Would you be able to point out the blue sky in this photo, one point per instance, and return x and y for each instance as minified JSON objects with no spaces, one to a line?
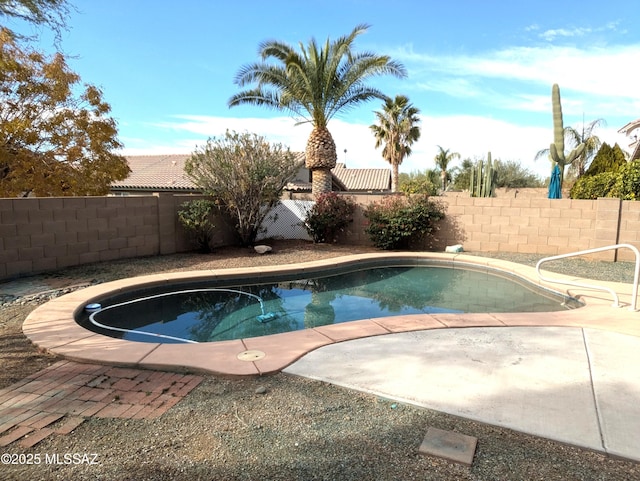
{"x":479,"y":71}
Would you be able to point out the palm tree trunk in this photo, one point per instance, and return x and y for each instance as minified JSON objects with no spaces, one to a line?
{"x":320,"y":158}
{"x":394,"y":177}
{"x":320,"y":181}
{"x":443,"y":176}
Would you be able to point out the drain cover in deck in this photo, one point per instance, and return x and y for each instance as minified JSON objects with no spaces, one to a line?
{"x":252,"y":355}
{"x":455,"y":447}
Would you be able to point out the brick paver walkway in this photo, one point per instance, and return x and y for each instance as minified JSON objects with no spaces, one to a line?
{"x":59,"y":398}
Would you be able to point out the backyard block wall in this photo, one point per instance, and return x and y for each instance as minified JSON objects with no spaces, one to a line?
{"x":525,"y":225}
{"x":45,"y":234}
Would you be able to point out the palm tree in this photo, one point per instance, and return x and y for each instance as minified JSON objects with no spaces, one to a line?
{"x":397,"y":128}
{"x":314,"y":84}
{"x":591,"y":143}
{"x":442,"y":159}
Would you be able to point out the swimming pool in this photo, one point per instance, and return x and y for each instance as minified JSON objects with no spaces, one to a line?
{"x":208,"y":311}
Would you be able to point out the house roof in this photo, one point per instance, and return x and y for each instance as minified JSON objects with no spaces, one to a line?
{"x":156,"y":172}
{"x":630,"y":127}
{"x":166,"y":173}
{"x":363,"y":179}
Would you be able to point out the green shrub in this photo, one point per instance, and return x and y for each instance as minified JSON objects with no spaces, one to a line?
{"x":608,"y":159}
{"x":627,"y":186}
{"x":329,"y":216}
{"x":195,"y":216}
{"x":397,"y":221}
{"x":419,"y":186}
{"x":593,"y":186}
{"x":623,"y":183}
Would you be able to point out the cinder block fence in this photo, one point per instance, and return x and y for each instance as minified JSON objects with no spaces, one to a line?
{"x":44,"y":234}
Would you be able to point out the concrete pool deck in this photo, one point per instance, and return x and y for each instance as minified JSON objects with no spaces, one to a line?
{"x":575,"y":365}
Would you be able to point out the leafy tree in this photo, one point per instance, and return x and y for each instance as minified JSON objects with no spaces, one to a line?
{"x":509,"y":174}
{"x":608,"y":159}
{"x":245,"y":174}
{"x":314,"y":85}
{"x":397,"y":129}
{"x":49,"y":13}
{"x":419,"y":182}
{"x":462,"y":178}
{"x":195,"y":216}
{"x":513,"y":175}
{"x":442,"y":159}
{"x":55,"y":138}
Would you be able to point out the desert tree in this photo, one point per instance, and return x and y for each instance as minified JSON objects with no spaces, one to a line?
{"x":314,"y":84}
{"x":245,"y":174}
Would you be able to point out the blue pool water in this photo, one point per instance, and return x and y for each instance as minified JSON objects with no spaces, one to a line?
{"x":201,"y":313}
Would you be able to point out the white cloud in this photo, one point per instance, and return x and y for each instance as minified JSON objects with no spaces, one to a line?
{"x":592,"y":70}
{"x":277,"y":129}
{"x":552,"y":34}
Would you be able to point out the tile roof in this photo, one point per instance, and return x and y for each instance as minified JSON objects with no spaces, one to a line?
{"x":156,"y":172}
{"x":166,"y":173}
{"x":363,"y":179}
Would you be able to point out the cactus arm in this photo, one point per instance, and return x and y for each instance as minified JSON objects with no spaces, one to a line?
{"x":555,"y":158}
{"x":575,"y":153}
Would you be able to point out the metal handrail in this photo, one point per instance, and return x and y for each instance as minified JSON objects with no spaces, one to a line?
{"x":616,"y":301}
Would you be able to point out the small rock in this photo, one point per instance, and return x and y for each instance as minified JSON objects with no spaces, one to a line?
{"x":262,"y":249}
{"x":261,"y":390}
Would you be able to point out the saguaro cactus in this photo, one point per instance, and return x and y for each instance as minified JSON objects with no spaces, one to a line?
{"x":556,"y":150}
{"x":483,"y":179}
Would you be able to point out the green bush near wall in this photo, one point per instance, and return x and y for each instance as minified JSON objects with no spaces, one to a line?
{"x":195,"y":216}
{"x":397,"y":221}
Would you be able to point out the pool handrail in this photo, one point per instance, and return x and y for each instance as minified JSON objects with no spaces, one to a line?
{"x":616,"y":301}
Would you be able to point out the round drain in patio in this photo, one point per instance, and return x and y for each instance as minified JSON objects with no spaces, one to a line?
{"x":252,"y":355}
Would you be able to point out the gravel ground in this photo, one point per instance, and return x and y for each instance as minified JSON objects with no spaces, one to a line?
{"x":297,"y":430}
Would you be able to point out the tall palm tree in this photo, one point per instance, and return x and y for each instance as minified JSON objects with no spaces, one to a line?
{"x":397,"y":129}
{"x":442,"y":159}
{"x":314,"y":84}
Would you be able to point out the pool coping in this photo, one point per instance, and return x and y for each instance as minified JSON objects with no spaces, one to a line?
{"x":52,"y":327}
